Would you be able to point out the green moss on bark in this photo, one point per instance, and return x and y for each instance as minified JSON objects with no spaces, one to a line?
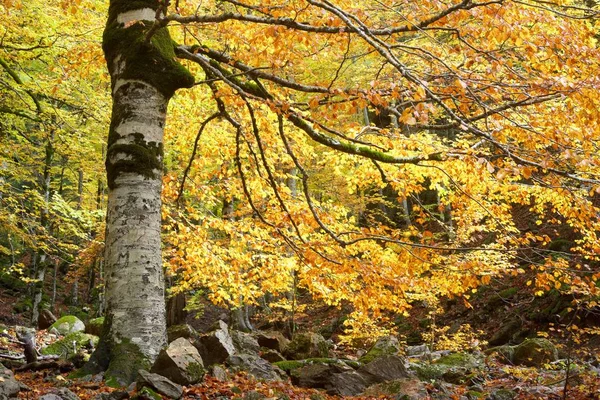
{"x":126,"y":359}
{"x":153,"y":62}
{"x":144,"y":159}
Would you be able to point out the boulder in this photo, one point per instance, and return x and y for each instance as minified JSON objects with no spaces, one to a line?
{"x":505,"y":332}
{"x":217,"y":346}
{"x":180,"y":362}
{"x":456,"y":368}
{"x":307,"y":345}
{"x":349,"y":383}
{"x":253,"y":395}
{"x":272,"y":356}
{"x":71,"y":344}
{"x":175,"y":332}
{"x":313,"y":375}
{"x":9,"y":386}
{"x":158,"y":383}
{"x":387,"y":345}
{"x":116,"y":395}
{"x":244,"y":343}
{"x":46,"y":319}
{"x":405,"y":389}
{"x":94,"y":326}
{"x":255,"y":366}
{"x":273,"y":340}
{"x":503,"y":353}
{"x":219,"y":372}
{"x":502,"y":394}
{"x":68,"y":324}
{"x":385,"y":368}
{"x":535,"y":353}
{"x":60,"y":394}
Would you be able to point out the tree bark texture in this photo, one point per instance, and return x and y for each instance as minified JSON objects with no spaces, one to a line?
{"x":144,"y":76}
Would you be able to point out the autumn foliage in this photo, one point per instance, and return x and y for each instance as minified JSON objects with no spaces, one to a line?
{"x":373,"y":153}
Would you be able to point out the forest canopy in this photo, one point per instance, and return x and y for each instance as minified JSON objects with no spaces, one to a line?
{"x":375,"y":154}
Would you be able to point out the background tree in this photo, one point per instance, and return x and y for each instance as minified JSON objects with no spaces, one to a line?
{"x":50,"y":130}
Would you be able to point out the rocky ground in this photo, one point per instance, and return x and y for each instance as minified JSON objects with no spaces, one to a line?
{"x":225,"y":364}
{"x":503,"y":344}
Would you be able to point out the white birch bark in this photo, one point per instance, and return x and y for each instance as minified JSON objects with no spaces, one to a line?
{"x":134,"y":274}
{"x":144,"y":75}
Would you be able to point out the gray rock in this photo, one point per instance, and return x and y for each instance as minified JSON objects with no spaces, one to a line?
{"x":180,"y":362}
{"x":320,"y":375}
{"x":272,"y":356}
{"x":387,"y":345}
{"x":417,"y":351}
{"x":244,"y":342}
{"x":159,"y":383}
{"x":60,"y":394}
{"x":535,"y":353}
{"x":253,"y":395}
{"x":219,"y":373}
{"x":273,"y":340}
{"x":313,"y":375}
{"x":404,"y":389}
{"x":349,"y":383}
{"x":255,"y":366}
{"x":502,"y":394}
{"x":385,"y":368}
{"x":181,"y":331}
{"x":116,"y":395}
{"x":9,"y":386}
{"x":68,"y":324}
{"x":307,"y":345}
{"x":217,"y":346}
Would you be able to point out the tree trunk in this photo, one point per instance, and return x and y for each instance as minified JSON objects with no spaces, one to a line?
{"x":38,"y":288}
{"x":144,"y":76}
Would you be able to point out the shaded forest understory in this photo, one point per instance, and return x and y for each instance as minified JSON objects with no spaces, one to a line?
{"x":462,"y":351}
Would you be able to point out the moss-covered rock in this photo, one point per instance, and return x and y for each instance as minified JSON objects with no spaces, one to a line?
{"x":503,"y":353}
{"x":94,"y":326}
{"x":502,"y":394}
{"x":428,"y":372}
{"x":288,"y":366}
{"x":71,"y":345}
{"x":307,"y":345}
{"x":505,"y":332}
{"x":146,"y":393}
{"x":387,"y":345}
{"x":462,"y":360}
{"x":68,"y":324}
{"x":456,"y":368}
{"x":406,"y":388}
{"x":185,"y":331}
{"x":535,"y":353}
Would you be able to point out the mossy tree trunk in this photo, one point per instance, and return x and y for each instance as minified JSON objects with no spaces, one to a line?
{"x":144,"y":76}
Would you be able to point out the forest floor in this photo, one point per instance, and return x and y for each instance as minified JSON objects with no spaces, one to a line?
{"x":505,"y":305}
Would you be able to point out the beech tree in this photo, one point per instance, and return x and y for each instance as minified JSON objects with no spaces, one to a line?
{"x":486,"y":102}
